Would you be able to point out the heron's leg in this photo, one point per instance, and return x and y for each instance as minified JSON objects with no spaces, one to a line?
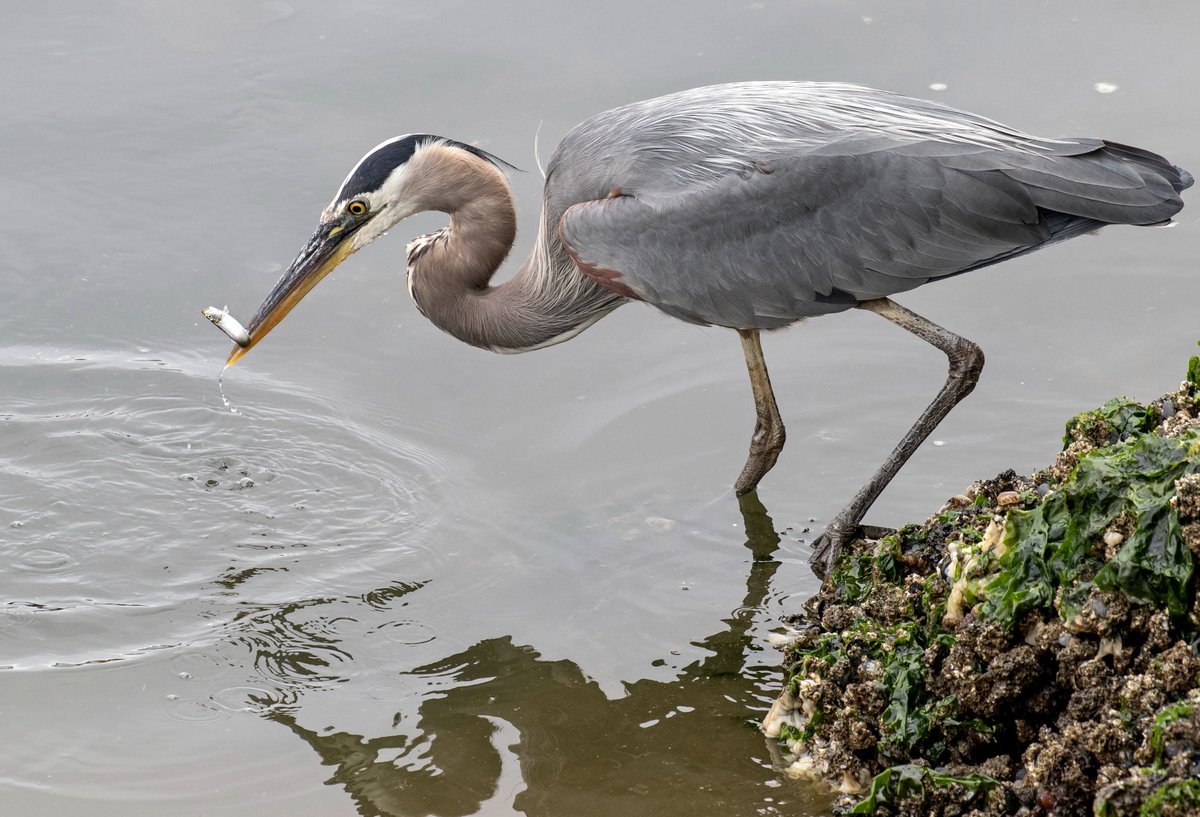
{"x":769,"y":435}
{"x":966,"y":362}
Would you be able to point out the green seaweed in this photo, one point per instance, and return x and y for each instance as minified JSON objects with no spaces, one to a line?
{"x":1026,"y":580}
{"x":855,"y":578}
{"x":905,"y":722}
{"x":792,"y":734}
{"x":860,"y":573}
{"x":1163,"y":719}
{"x":1118,"y":417}
{"x":1178,"y":794}
{"x":912,"y":723}
{"x":1154,"y":564}
{"x":1059,"y":543}
{"x":789,"y":733}
{"x":1193,"y":370}
{"x":897,"y":783}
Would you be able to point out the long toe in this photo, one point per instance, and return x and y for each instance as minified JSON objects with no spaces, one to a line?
{"x":829,"y":545}
{"x":826,"y":549}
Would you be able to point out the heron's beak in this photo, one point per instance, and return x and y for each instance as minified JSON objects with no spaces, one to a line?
{"x":328,"y":247}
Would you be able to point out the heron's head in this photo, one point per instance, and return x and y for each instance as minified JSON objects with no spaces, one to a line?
{"x":386,"y":186}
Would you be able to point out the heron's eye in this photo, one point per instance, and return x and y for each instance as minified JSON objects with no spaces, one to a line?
{"x":357,"y":208}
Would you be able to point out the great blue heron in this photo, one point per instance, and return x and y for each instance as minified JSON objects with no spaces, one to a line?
{"x":748,"y":205}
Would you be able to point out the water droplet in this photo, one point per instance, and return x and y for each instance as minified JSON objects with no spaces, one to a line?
{"x":221,"y":387}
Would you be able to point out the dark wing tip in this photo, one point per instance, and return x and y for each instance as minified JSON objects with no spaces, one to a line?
{"x":1176,"y":176}
{"x":1186,"y":179}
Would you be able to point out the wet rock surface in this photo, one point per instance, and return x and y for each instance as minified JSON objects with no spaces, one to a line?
{"x":1032,"y":649}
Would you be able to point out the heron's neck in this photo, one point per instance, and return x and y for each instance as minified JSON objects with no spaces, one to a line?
{"x":547,"y":301}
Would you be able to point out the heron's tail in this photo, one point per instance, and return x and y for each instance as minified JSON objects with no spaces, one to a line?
{"x":1102,"y":182}
{"x":1176,"y":176}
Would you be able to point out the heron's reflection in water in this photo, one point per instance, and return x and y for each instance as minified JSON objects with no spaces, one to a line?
{"x":685,"y":746}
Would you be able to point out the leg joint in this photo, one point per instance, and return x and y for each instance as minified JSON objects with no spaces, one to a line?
{"x":770,"y":435}
{"x":966,"y":360}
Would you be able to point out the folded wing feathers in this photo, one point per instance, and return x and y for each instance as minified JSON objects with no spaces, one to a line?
{"x":760,"y":226}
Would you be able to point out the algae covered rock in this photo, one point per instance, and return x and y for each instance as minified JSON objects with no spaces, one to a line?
{"x":1032,"y":649}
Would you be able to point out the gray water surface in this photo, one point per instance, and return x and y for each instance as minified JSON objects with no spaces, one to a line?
{"x":409,"y":577}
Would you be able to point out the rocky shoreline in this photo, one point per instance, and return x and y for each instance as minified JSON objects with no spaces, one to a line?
{"x":1032,"y":649}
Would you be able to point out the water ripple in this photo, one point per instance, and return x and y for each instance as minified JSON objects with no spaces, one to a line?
{"x":45,"y":560}
{"x":137,"y":507}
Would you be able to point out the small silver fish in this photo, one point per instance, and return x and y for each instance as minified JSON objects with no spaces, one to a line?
{"x":229,"y":325}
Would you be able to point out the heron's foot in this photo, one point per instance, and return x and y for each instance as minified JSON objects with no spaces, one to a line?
{"x":765,"y":445}
{"x":829,"y":545}
{"x":874,"y":532}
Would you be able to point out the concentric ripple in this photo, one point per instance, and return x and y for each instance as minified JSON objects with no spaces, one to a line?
{"x":128,"y":494}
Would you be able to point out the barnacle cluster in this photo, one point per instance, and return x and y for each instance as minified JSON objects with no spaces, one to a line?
{"x":1032,"y":649}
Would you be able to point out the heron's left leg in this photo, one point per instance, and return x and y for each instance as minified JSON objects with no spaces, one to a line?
{"x":769,"y":435}
{"x":966,"y":362}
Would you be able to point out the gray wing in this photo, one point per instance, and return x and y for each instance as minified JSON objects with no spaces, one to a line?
{"x":745,"y":217}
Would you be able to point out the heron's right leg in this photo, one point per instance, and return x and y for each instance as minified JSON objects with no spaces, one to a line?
{"x":769,"y":435}
{"x":966,"y":362}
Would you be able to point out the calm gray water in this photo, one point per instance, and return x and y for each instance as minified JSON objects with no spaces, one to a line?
{"x":410,"y":577}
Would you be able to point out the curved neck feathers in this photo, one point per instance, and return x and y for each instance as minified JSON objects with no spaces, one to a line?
{"x":547,"y":301}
